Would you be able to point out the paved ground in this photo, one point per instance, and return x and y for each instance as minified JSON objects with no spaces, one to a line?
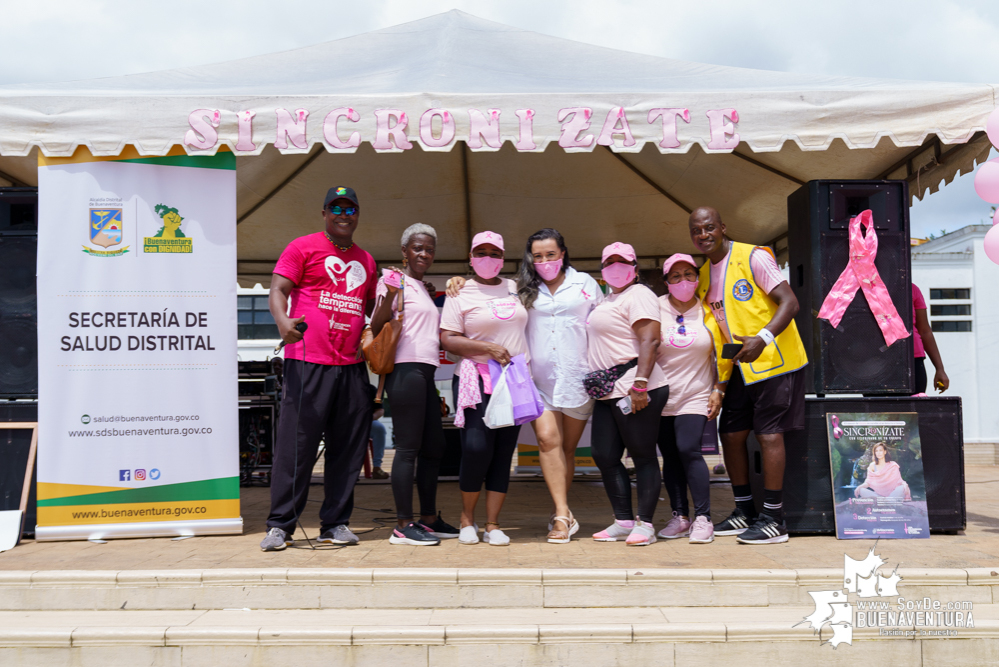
{"x":524,"y":520}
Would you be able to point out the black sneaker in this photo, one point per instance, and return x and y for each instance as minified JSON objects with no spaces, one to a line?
{"x":766,"y":530}
{"x":440,"y":528}
{"x":736,"y":523}
{"x":414,"y":535}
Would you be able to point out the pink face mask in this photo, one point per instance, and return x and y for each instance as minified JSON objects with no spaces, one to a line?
{"x":618,"y":274}
{"x":487,"y":268}
{"x":548,"y":270}
{"x":683,"y":291}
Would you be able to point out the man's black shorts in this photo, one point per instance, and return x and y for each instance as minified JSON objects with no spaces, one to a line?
{"x":775,"y":405}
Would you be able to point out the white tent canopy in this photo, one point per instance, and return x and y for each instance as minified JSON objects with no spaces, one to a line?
{"x":509,"y":130}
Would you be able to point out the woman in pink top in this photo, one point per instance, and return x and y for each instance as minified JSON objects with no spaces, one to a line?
{"x":624,"y":329}
{"x":687,"y":357}
{"x":484,"y":321}
{"x":884,"y":478}
{"x":416,"y":412}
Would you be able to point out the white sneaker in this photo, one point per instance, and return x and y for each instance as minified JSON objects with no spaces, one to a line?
{"x":496,"y":537}
{"x":643,"y":534}
{"x":469,"y":535}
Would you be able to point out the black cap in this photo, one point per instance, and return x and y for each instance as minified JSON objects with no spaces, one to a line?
{"x":340,"y":192}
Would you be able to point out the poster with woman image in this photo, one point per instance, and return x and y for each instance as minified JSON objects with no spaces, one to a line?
{"x":877,"y":475}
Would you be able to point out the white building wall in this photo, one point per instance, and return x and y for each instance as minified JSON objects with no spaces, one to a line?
{"x":985,"y":309}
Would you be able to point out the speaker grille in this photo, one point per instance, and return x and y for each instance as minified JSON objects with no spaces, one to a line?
{"x":18,"y":315}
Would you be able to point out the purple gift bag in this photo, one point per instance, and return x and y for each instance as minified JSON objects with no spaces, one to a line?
{"x":527,"y":405}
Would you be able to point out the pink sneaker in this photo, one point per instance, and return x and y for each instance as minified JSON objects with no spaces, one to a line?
{"x":678,"y":526}
{"x":642,"y":535}
{"x":701,"y":531}
{"x":617,"y":531}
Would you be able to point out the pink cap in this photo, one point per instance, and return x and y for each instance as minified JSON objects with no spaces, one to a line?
{"x":677,"y":257}
{"x":618,"y":248}
{"x":487,"y":237}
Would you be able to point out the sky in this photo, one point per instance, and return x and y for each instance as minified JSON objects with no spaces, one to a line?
{"x":940,"y":40}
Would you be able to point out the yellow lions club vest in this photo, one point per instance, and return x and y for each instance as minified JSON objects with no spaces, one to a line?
{"x":747,"y":310}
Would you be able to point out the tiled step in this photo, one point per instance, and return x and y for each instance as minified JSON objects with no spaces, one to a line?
{"x":456,"y":588}
{"x":660,"y":636}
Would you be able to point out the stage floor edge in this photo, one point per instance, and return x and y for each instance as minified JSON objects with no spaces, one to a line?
{"x":110,"y":531}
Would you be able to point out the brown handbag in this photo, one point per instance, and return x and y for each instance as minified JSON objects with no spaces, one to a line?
{"x":379,"y":351}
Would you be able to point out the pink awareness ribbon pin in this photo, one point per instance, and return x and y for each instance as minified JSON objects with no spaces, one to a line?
{"x":860,"y":273}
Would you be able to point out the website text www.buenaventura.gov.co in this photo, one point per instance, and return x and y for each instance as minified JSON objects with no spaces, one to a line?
{"x":132,"y":513}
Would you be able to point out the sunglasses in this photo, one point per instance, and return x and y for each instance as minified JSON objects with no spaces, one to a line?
{"x":341,"y":210}
{"x":682,"y":330}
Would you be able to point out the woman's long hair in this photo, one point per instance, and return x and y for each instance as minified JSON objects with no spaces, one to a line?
{"x":874,"y":450}
{"x":528,"y":280}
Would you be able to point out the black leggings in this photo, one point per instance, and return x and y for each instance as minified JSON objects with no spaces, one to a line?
{"x":486,"y":453}
{"x":683,"y":463}
{"x":416,"y":426}
{"x":613,"y":431}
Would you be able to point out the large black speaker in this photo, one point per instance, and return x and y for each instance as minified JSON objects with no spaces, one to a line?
{"x":18,"y":301}
{"x":808,"y":499}
{"x":851,"y":358}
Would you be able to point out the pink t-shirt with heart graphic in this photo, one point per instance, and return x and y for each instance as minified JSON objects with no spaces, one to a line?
{"x":332,"y":289}
{"x":492,"y":313}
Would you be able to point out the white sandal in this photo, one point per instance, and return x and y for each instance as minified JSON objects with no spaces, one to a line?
{"x":568,"y":530}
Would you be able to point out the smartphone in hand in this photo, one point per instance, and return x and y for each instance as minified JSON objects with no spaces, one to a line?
{"x":729,"y":350}
{"x":392,"y":278}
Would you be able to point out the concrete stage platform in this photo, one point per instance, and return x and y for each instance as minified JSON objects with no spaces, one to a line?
{"x":524,"y":519}
{"x":206,"y":601}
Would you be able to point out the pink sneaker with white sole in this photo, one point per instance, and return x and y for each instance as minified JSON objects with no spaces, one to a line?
{"x":702,"y":531}
{"x":678,"y":526}
{"x":616,"y":532}
{"x":642,"y":535}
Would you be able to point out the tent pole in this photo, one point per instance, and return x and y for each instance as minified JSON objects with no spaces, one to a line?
{"x":772,"y":170}
{"x":468,"y":198}
{"x":660,"y":189}
{"x":316,"y":152}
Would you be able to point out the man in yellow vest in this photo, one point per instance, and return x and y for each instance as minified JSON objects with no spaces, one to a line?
{"x":762,"y":389}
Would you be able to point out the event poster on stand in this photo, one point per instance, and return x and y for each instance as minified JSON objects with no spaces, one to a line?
{"x":138,"y":422}
{"x":877,"y":473}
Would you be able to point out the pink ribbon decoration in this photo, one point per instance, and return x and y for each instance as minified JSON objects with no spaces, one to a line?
{"x":860,"y":273}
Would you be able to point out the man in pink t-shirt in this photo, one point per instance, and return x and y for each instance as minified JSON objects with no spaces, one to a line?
{"x":328,"y":283}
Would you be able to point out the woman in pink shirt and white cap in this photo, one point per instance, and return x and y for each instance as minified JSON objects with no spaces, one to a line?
{"x":687,"y":357}
{"x":484,"y":321}
{"x":623,"y":331}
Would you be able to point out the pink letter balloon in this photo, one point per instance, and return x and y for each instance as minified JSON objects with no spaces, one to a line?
{"x":987,"y":181}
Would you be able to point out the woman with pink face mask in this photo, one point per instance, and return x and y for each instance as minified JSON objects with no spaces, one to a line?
{"x":686,"y":355}
{"x":484,"y":321}
{"x":623,"y":332}
{"x":558,"y":300}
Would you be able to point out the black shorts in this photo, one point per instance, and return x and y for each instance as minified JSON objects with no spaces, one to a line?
{"x":775,"y":405}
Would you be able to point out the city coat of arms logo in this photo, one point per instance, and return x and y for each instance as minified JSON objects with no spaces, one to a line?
{"x":106,"y":229}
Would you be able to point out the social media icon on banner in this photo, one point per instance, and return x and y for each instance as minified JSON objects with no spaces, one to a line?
{"x":140,"y":474}
{"x":154,"y":473}
{"x":124,"y":475}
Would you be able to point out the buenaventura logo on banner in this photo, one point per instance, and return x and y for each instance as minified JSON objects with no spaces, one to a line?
{"x":106,"y":226}
{"x":169,"y":238}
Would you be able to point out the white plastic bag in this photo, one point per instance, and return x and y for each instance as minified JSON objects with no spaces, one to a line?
{"x":499,"y":412}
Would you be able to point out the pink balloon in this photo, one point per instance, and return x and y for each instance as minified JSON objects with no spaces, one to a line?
{"x":992,"y":128}
{"x":987,"y":181}
{"x":992,"y":244}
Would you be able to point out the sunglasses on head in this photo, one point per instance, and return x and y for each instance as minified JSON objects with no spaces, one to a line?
{"x":342,"y":210}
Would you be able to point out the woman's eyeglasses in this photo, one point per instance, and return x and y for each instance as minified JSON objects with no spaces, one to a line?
{"x":682,"y":330}
{"x":341,"y":210}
